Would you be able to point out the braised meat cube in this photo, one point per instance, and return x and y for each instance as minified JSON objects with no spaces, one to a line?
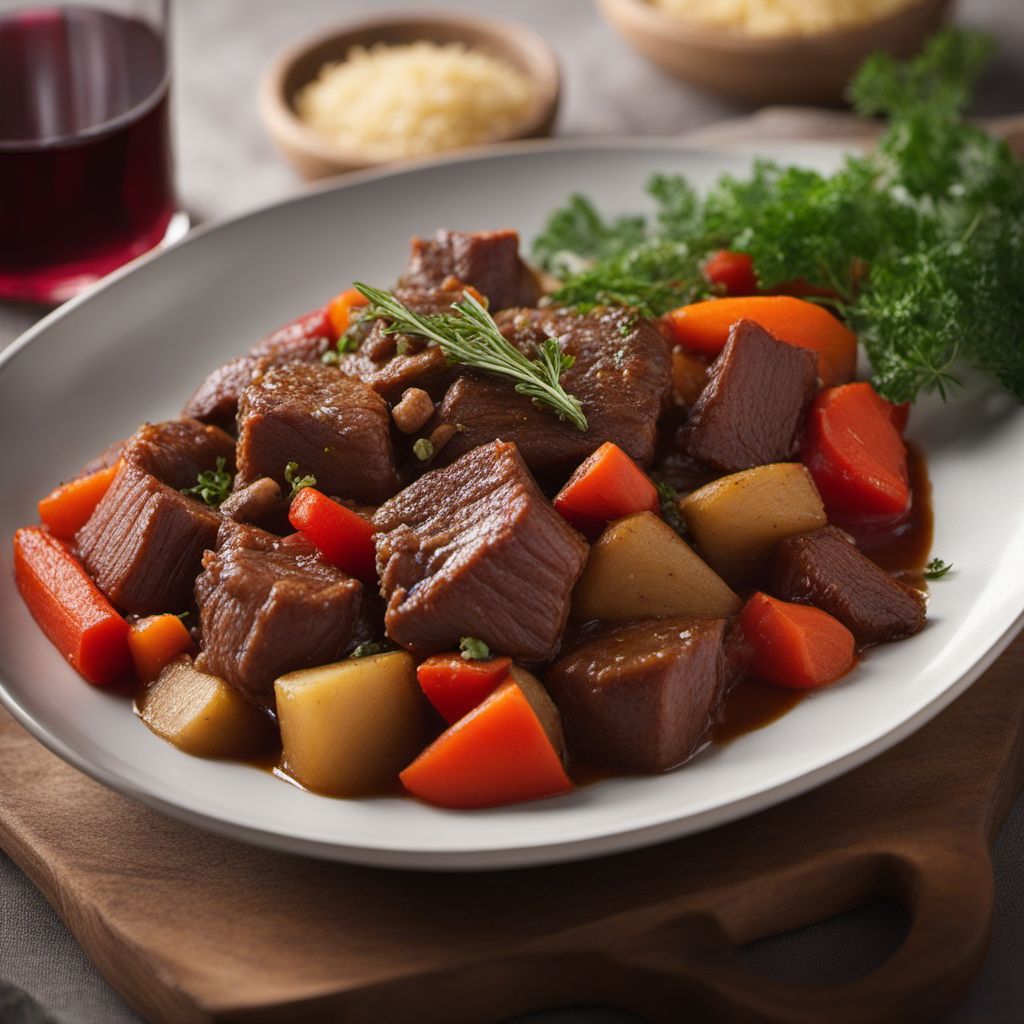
{"x":475,"y":549}
{"x":642,"y":697}
{"x":144,"y":542}
{"x":488,"y":260}
{"x":216,"y":399}
{"x":622,"y":375}
{"x":267,"y":607}
{"x":303,"y":341}
{"x":332,"y":426}
{"x":177,"y":451}
{"x":751,"y":411}
{"x":825,"y":569}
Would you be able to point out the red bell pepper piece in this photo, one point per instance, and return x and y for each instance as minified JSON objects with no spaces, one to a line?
{"x":343,"y":537}
{"x":316,"y":323}
{"x":732,"y":272}
{"x":607,"y":485}
{"x":497,"y":754}
{"x":66,"y":509}
{"x":78,"y":620}
{"x":455,"y":686}
{"x":857,"y":457}
{"x":795,"y":645}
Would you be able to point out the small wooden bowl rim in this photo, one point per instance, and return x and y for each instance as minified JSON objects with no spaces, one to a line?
{"x":522,"y":47}
{"x":644,"y":16}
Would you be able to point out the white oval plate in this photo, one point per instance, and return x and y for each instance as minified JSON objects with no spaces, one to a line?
{"x":134,"y":349}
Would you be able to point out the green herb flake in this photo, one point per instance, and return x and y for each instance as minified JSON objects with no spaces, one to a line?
{"x":669,"y":498}
{"x":936,"y":569}
{"x":369,"y":649}
{"x":213,"y":485}
{"x":298,"y":483}
{"x":472,"y":649}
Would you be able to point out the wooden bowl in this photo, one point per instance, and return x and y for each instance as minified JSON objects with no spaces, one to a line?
{"x":756,"y":69}
{"x":315,"y":157}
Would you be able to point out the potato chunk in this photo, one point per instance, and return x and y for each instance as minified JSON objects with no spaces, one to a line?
{"x":349,"y":728}
{"x":738,"y":520}
{"x":203,"y":715}
{"x":641,"y":568}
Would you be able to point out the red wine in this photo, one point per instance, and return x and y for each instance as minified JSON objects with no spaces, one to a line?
{"x":85,"y":157}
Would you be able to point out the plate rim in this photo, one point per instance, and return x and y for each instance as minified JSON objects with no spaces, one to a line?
{"x":535,"y":852}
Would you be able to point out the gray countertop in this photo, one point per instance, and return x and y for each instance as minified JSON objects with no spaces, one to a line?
{"x":226,"y":166}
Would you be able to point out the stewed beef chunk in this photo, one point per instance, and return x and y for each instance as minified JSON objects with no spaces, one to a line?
{"x":267,"y":607}
{"x":331,"y":426}
{"x":622,"y":374}
{"x":642,"y":697}
{"x":144,"y":543}
{"x":488,"y":260}
{"x":752,"y":408}
{"x":824,"y":568}
{"x":260,"y":503}
{"x":475,"y":549}
{"x":303,"y":341}
{"x":216,"y":399}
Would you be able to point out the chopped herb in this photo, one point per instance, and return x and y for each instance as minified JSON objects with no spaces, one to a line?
{"x":372,"y":647}
{"x":922,"y":240}
{"x":402,"y":347}
{"x":348,"y":342}
{"x":669,"y":498}
{"x":423,"y":449}
{"x":470,"y":336}
{"x":472,"y":649}
{"x":936,"y":569}
{"x":297,"y":482}
{"x":213,"y":485}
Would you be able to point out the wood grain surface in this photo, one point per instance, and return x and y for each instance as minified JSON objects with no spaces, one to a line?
{"x":190,"y":927}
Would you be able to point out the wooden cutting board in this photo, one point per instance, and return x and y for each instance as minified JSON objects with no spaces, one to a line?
{"x":190,"y":927}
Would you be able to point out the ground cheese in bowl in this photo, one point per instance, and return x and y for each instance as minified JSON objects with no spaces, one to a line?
{"x":782,"y":17}
{"x":411,"y":100}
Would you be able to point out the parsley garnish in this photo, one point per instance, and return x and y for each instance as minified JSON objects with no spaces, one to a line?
{"x":470,"y":336}
{"x":372,"y":647}
{"x":921,"y":241}
{"x":936,"y":569}
{"x":669,"y":498}
{"x":472,"y":649}
{"x":213,"y":485}
{"x":297,"y":482}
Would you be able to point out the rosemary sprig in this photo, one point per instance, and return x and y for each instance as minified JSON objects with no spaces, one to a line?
{"x":470,"y":336}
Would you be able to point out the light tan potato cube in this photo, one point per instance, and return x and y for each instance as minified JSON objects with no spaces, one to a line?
{"x":543,"y":707}
{"x":350,"y":728}
{"x":203,"y":715}
{"x":738,"y":520}
{"x":640,"y":568}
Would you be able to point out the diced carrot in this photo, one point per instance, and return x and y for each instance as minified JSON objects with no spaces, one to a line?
{"x":607,"y":485}
{"x":343,"y":537}
{"x":795,"y":645}
{"x":689,"y":375}
{"x":732,"y":272}
{"x":339,"y":309}
{"x":155,"y":642}
{"x":66,"y":509}
{"x":78,"y":620}
{"x":455,"y":686}
{"x":857,"y":457}
{"x":497,"y":754}
{"x":704,"y":327}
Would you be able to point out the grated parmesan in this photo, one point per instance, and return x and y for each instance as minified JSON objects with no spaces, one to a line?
{"x":415,"y":99}
{"x":782,"y":17}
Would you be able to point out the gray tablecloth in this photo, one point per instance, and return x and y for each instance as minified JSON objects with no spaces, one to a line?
{"x":226,"y":166}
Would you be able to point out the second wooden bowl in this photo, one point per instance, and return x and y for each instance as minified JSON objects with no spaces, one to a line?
{"x":787,"y":69}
